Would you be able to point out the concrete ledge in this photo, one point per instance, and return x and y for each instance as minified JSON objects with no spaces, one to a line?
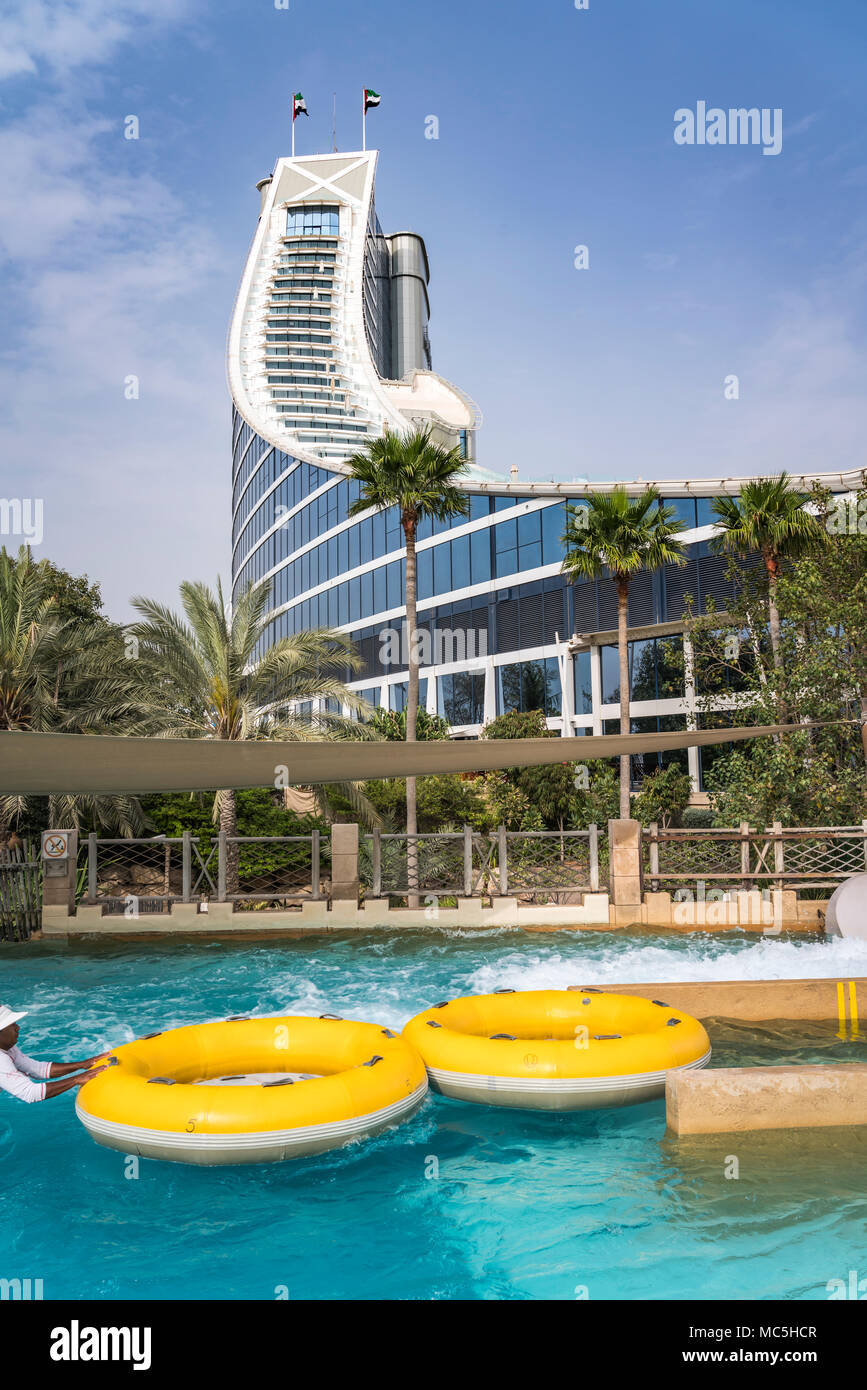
{"x":745,"y":912}
{"x":754,"y":1001}
{"x":747,"y":1098}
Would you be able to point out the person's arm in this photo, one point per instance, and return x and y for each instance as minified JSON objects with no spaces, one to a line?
{"x":67,"y":1068}
{"x":56,"y":1088}
{"x":19,"y":1085}
{"x":42,"y":1071}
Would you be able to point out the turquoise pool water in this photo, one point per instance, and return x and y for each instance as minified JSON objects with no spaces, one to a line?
{"x":524,"y":1205}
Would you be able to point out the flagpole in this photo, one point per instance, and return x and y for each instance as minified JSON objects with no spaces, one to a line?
{"x":293,"y":124}
{"x":364,"y":119}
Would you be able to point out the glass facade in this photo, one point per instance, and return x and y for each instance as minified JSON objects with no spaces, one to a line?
{"x":491,"y":596}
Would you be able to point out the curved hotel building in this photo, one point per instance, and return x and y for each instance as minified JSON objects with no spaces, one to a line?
{"x":329,"y":346}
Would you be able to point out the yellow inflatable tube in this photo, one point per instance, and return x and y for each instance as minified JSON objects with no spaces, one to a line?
{"x":552,"y":1049}
{"x":252,"y":1090}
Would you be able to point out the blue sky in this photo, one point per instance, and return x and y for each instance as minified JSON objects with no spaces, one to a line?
{"x":556,"y":128}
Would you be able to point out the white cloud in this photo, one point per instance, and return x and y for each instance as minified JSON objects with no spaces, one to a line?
{"x":111,"y":274}
{"x":63,"y":35}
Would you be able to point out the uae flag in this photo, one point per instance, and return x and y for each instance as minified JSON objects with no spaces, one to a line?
{"x":299,"y":107}
{"x":371,"y":98}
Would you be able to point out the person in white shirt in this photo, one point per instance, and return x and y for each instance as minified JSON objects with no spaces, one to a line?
{"x":51,"y":1078}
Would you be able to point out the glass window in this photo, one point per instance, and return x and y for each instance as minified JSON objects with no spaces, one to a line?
{"x":553,"y":526}
{"x":365,"y":530}
{"x":378,"y":535}
{"x":442,"y":569}
{"x":670,"y":674}
{"x":583,"y":686}
{"x":367,"y":594}
{"x":480,"y":505}
{"x":507,"y":563}
{"x":371,"y":694}
{"x":529,"y":556}
{"x":529,"y":528}
{"x":398,"y":694}
{"x":505,"y":536}
{"x":354,"y":600}
{"x":642,"y":670}
{"x":460,"y":549}
{"x":313,"y":220}
{"x":530,"y":685}
{"x":480,"y":555}
{"x":380,"y":598}
{"x":610,"y":676}
{"x":394,"y":584}
{"x":705,"y":515}
{"x":683,"y":508}
{"x":425,"y":574}
{"x":461,"y":697}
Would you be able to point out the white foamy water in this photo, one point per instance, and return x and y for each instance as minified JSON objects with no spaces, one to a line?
{"x":698,"y":960}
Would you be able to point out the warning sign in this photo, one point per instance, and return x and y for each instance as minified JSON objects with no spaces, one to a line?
{"x":55,"y":844}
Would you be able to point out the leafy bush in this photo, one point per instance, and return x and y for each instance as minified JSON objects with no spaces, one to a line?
{"x":663,"y":797}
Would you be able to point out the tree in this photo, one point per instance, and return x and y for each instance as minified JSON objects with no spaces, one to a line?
{"x":418,"y":477}
{"x":391,"y":725}
{"x":443,"y":802}
{"x":61,"y":671}
{"x":664,"y":796}
{"x":73,"y":594}
{"x":816,"y":775}
{"x":770,"y":519}
{"x":549,"y":790}
{"x":617,"y":535}
{"x":203,"y":678}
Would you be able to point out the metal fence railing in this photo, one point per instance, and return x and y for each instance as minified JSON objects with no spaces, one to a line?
{"x":799,"y":858}
{"x":467,"y":864}
{"x":135,"y":876}
{"x":384,"y":864}
{"x":273,"y":868}
{"x":150,"y":875}
{"x":551,"y":862}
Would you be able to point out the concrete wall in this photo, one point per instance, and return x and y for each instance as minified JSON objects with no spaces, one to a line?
{"x":745,"y":1098}
{"x":754,"y":1001}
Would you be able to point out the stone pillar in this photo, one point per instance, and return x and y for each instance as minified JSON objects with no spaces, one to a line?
{"x":624,"y":844}
{"x":344,"y":863}
{"x":59,"y":861}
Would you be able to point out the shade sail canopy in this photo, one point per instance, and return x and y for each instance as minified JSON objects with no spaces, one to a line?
{"x":79,"y":764}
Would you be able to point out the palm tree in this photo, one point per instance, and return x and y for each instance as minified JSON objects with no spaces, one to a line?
{"x":769,"y":518}
{"x":60,"y":675}
{"x":203,"y":677}
{"x":618,"y":535}
{"x":418,"y":477}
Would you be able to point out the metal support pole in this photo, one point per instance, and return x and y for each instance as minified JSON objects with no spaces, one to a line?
{"x":594,"y":858}
{"x":468,"y":861}
{"x":654,"y":855}
{"x":187,"y":866}
{"x":779,"y":852}
{"x":91,"y":868}
{"x":745,"y":853}
{"x":315,"y":864}
{"x":502,"y":856}
{"x":377,"y":863}
{"x":222,"y":854}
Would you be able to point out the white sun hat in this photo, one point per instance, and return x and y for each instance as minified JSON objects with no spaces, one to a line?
{"x":7,"y":1016}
